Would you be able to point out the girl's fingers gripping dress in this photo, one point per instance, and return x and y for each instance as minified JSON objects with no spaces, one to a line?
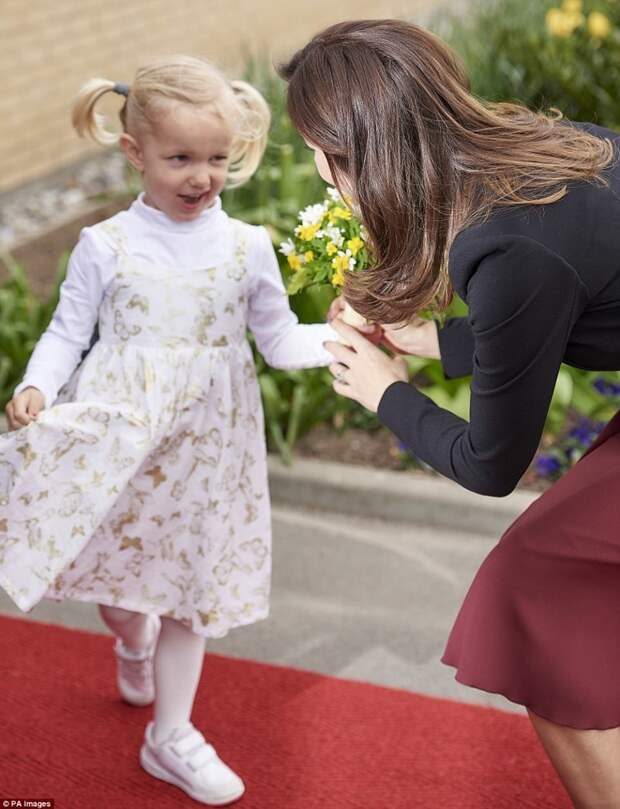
{"x":24,"y":408}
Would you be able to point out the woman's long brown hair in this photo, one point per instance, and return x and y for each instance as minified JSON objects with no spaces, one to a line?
{"x":389,"y":104}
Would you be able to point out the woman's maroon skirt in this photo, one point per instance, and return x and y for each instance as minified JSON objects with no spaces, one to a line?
{"x":541,"y":621}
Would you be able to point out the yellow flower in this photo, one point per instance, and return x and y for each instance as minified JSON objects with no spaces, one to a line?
{"x":331,"y":248}
{"x":309,"y":255}
{"x":308,"y":232}
{"x":562,"y":24}
{"x":340,"y":263}
{"x":339,"y":213}
{"x":294,"y":261}
{"x":338,"y":278}
{"x":355,"y":245}
{"x":575,"y":18}
{"x":571,"y":6}
{"x":599,"y":25}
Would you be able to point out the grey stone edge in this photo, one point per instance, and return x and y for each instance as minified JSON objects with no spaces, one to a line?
{"x":401,"y":497}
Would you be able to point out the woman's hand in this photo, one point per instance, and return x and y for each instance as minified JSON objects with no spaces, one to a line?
{"x":24,"y":408}
{"x":363,"y":372}
{"x":417,"y":337}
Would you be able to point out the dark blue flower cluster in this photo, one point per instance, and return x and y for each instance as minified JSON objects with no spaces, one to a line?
{"x":547,"y":465}
{"x":560,"y":458}
{"x":586,"y":430}
{"x":607,"y":387}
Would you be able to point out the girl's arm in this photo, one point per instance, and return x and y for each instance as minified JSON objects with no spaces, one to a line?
{"x":71,"y":328}
{"x":281,"y":339}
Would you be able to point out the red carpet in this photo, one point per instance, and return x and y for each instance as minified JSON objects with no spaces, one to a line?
{"x":300,"y":740}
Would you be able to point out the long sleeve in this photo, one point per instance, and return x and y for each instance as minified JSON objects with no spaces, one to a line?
{"x":456,"y":347}
{"x":69,"y":333}
{"x":523,"y":300}
{"x":281,"y":339}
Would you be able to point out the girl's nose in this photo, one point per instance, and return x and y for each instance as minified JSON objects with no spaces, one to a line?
{"x":201,"y":179}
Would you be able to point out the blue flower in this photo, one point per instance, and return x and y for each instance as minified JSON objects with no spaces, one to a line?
{"x":547,"y":465}
{"x":582,"y":434}
{"x":606,"y":387}
{"x":586,"y":430}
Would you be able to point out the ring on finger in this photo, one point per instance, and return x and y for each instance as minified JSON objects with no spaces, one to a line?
{"x":342,"y":369}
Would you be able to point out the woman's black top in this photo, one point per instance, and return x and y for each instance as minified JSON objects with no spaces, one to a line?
{"x":542,"y":284}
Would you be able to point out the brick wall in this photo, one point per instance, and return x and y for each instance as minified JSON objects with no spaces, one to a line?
{"x":49,"y":47}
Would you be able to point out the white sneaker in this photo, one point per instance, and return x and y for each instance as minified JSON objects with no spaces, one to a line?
{"x":134,"y":670}
{"x":187,"y":761}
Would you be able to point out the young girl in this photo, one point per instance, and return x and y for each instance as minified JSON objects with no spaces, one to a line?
{"x":143,"y":486}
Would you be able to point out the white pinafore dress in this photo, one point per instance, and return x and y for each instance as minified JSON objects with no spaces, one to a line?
{"x":145,"y":485}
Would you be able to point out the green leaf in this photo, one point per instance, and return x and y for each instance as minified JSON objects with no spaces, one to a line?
{"x":563,"y":391}
{"x":298,"y":281}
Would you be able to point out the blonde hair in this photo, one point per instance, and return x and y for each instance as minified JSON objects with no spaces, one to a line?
{"x":187,"y":80}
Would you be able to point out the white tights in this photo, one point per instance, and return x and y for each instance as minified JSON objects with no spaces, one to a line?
{"x":177,"y":666}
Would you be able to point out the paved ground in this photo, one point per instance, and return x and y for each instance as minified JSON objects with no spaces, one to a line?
{"x":361,"y":598}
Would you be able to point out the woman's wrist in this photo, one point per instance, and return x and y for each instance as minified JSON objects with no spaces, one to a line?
{"x":417,"y":339}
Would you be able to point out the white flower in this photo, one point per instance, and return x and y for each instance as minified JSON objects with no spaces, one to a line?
{"x":313,"y":214}
{"x":334,"y":194}
{"x":287,"y":247}
{"x":352,"y":261}
{"x":335,"y":234}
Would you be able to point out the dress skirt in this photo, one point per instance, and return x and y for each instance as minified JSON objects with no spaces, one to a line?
{"x":541,"y":621}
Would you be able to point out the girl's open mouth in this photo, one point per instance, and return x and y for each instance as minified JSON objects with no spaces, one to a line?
{"x":193,"y":200}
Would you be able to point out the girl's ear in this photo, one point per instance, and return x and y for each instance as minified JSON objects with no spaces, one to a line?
{"x":132,"y":151}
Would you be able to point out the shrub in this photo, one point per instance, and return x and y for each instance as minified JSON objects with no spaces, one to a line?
{"x":541,"y":53}
{"x":23,"y":317}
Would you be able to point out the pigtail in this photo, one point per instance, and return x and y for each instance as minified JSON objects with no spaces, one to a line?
{"x":251,"y":133}
{"x":85,"y":120}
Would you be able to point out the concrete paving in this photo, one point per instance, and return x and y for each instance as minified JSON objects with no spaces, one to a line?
{"x":358,"y":597}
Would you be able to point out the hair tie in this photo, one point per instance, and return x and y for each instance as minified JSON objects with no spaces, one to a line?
{"x":121,"y":89}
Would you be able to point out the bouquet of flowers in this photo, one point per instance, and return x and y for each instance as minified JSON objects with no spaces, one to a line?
{"x":329,"y":241}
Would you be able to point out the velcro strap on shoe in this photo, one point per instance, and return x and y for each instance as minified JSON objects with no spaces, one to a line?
{"x":193,"y":747}
{"x":200,"y":757}
{"x":192,"y":739}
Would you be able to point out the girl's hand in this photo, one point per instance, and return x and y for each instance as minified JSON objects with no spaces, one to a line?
{"x":363,"y":372}
{"x":24,"y":408}
{"x":336,"y":308}
{"x":372,"y":331}
{"x":417,"y":337}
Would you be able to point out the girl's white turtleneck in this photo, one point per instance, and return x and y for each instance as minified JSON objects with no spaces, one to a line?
{"x":152,"y":236}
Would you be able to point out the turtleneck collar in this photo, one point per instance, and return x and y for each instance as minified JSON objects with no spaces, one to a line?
{"x":158,"y":218}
